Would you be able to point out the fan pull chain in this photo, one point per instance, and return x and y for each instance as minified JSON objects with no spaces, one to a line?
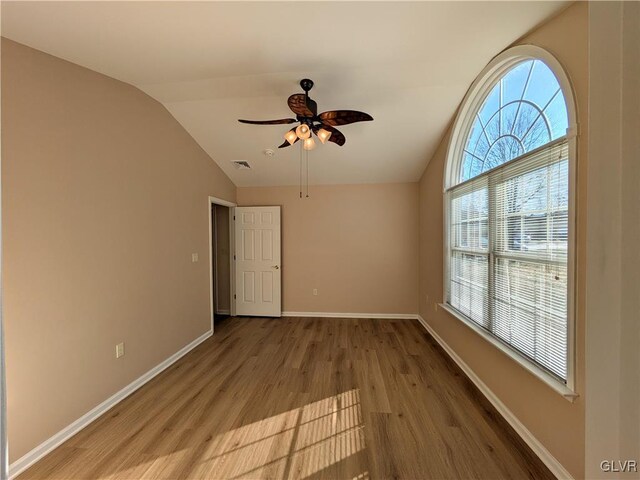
{"x":300,"y":170}
{"x":307,"y":162}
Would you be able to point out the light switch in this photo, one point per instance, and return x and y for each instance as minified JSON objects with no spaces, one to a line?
{"x":194,"y":257}
{"x":119,"y":350}
{"x":315,"y":291}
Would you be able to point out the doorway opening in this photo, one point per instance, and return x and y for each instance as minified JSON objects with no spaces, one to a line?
{"x":221,"y":245}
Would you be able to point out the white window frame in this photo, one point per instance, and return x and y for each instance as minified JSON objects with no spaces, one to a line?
{"x":471,"y":104}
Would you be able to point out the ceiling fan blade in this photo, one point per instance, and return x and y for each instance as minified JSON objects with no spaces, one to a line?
{"x":313,"y":106}
{"x":269,"y":122}
{"x":344,"y":117}
{"x":302,"y":105}
{"x":336,"y":135}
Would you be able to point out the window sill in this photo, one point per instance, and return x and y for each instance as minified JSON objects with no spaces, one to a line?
{"x":528,"y":365}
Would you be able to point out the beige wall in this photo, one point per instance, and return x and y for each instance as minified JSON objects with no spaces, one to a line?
{"x":613,"y":284}
{"x":357,"y":244}
{"x":629,"y":361}
{"x":556,"y":422}
{"x":104,"y":199}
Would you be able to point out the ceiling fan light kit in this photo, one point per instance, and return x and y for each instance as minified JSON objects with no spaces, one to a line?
{"x":311,"y":123}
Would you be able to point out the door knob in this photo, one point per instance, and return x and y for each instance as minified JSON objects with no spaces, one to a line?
{"x":276,"y":267}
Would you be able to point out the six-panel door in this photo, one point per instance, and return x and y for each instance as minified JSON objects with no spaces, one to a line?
{"x":258,"y":268}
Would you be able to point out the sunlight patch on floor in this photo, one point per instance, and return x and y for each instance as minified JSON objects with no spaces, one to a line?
{"x":294,"y":444}
{"x":362,"y":476}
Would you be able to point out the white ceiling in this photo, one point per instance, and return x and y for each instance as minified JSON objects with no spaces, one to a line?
{"x":210,"y":63}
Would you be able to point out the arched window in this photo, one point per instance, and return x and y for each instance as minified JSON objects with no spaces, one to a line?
{"x":524,"y":110}
{"x":509,"y":210}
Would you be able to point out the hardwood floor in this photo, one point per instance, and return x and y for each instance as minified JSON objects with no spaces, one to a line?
{"x":301,"y":398}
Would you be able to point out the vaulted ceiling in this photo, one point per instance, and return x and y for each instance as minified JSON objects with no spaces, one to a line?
{"x":210,"y":63}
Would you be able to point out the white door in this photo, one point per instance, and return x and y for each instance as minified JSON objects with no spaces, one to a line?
{"x":258,"y":269}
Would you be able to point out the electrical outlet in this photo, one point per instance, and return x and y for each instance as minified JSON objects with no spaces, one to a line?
{"x":315,"y":291}
{"x":119,"y":350}
{"x":194,"y":257}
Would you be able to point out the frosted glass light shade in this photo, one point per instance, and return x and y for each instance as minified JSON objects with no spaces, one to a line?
{"x":303,"y":132}
{"x":290,"y":136}
{"x":309,"y":144}
{"x":323,"y":135}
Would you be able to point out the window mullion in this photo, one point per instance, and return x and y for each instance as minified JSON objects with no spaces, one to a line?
{"x":491,"y":257}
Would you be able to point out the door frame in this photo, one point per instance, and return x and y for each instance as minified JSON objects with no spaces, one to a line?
{"x":232,"y":290}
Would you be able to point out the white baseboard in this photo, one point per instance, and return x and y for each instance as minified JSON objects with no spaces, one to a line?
{"x":223,"y":312}
{"x":390,"y":316}
{"x":20,"y":465}
{"x":538,"y":448}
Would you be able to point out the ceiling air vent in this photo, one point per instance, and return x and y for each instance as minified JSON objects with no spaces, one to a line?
{"x":241,"y":164}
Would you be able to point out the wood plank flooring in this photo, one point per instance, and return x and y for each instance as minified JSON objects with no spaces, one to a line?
{"x":301,"y":398}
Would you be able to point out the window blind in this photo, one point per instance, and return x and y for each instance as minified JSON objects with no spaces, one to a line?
{"x":508,"y":243}
{"x":469,"y":243}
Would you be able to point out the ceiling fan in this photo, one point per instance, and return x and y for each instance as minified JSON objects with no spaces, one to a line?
{"x":322,"y":125}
